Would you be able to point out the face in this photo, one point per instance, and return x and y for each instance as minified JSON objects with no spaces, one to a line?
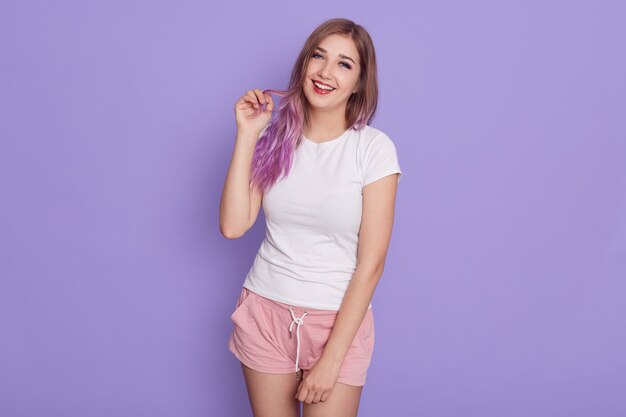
{"x":335,"y":63}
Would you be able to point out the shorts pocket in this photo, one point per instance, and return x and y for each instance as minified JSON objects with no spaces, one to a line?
{"x":242,"y":301}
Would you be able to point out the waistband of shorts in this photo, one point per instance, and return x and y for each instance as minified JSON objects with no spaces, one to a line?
{"x":296,"y":309}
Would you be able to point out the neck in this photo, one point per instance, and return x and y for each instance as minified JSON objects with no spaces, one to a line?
{"x":325,"y":124}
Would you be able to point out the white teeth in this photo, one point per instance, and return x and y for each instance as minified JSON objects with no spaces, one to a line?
{"x":323,"y":87}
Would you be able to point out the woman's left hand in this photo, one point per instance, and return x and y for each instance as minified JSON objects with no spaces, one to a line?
{"x":319,"y":382}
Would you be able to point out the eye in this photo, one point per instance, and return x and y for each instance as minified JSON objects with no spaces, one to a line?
{"x":348,"y":66}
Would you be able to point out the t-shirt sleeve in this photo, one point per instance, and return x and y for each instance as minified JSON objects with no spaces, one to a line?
{"x":380,"y":160}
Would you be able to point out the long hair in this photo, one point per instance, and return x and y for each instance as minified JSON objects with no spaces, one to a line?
{"x":274,"y":150}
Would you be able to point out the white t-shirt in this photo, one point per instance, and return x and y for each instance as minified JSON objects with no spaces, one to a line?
{"x":313,"y":217}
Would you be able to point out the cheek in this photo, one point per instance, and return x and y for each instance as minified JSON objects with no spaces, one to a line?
{"x":313,"y":67}
{"x":347,"y":86}
{"x":348,"y":79}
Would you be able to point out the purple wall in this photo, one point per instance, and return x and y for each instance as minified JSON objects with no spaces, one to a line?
{"x":504,"y":290}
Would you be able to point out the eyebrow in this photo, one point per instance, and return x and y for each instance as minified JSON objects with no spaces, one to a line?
{"x":340,"y":55}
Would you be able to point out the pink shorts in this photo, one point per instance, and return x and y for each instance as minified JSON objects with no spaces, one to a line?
{"x":261,"y":338}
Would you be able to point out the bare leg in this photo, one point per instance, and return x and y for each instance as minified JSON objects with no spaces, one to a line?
{"x":272,"y":395}
{"x":343,"y":402}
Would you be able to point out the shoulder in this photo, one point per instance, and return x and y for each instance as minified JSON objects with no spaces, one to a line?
{"x":371,"y":136}
{"x":378,"y":156}
{"x":373,"y":140}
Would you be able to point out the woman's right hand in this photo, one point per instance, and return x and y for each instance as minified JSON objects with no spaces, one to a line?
{"x":248,"y":111}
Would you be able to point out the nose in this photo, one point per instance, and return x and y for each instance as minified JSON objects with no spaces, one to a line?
{"x":325,"y":71}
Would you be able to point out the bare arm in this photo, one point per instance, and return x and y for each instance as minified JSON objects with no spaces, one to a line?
{"x":374,"y":236}
{"x":240,"y":202}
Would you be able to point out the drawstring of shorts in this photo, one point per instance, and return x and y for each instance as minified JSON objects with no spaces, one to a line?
{"x":299,"y":322}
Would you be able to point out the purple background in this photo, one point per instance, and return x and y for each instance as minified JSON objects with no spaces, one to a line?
{"x":504,"y":289}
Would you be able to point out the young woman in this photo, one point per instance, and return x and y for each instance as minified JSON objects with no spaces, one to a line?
{"x":303,"y":323}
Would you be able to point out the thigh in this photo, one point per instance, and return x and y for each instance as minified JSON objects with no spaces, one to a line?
{"x":272,"y":394}
{"x":343,"y":402}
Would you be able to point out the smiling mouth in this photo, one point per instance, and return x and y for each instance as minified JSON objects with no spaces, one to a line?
{"x":321,"y":90}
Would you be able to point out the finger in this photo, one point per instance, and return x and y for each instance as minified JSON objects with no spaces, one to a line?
{"x":251,"y":99}
{"x":259,"y":95}
{"x":270,"y":103}
{"x":248,"y":97}
{"x":302,"y":393}
{"x":325,"y":396}
{"x":317,"y":396}
{"x":309,"y":397}
{"x":298,"y":391}
{"x":250,"y":94}
{"x":245,"y":104}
